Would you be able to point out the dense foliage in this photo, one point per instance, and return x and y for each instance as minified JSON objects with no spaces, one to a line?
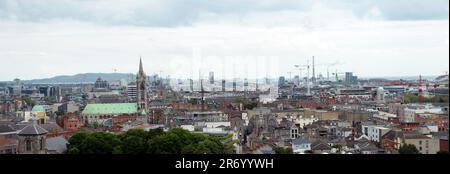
{"x":408,"y":149}
{"x":281,"y":150}
{"x":137,"y":141}
{"x":28,"y":101}
{"x":414,"y":98}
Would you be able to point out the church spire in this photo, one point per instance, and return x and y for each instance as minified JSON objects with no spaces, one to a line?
{"x":141,"y":69}
{"x":142,"y":93}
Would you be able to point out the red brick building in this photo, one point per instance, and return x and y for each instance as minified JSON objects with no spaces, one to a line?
{"x":443,"y":144}
{"x":185,"y":106}
{"x":122,"y":119}
{"x":71,"y":122}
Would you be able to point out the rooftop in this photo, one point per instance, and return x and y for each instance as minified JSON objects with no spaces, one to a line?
{"x":38,"y":108}
{"x":110,"y":109}
{"x":32,"y":129}
{"x":57,"y":144}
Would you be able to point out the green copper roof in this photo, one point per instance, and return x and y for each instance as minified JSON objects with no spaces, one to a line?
{"x":110,"y":109}
{"x":38,"y":108}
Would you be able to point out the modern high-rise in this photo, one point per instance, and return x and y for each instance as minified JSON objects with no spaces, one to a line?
{"x":281,"y":81}
{"x":245,"y":84}
{"x":350,"y":79}
{"x":211,"y":77}
{"x":191,"y":85}
{"x":223,"y":85}
{"x":100,"y":83}
{"x":17,"y":88}
{"x":132,"y":91}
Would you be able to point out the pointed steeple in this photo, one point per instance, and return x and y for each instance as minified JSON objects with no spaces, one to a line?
{"x":142,"y":93}
{"x":141,"y":69}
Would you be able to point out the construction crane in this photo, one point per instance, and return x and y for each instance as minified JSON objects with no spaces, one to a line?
{"x":328,"y":65}
{"x":307,"y":76}
{"x":300,"y":69}
{"x":337,"y":75}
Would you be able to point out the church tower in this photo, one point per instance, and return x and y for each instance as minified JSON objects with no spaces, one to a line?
{"x":32,"y":139}
{"x":142,"y":92}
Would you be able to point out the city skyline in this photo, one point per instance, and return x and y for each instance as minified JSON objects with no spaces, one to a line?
{"x":367,"y":37}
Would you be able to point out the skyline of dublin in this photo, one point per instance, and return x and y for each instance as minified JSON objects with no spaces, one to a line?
{"x":211,"y":85}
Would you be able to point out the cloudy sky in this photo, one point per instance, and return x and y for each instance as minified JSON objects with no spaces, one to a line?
{"x":235,"y":38}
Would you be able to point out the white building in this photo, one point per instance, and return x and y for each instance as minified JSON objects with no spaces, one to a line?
{"x":294,"y":132}
{"x":380,"y":95}
{"x":301,"y":145}
{"x":384,"y":116}
{"x":25,"y":115}
{"x":190,"y":128}
{"x":132,"y":91}
{"x":245,"y":118}
{"x":304,"y":121}
{"x":413,"y":110}
{"x":217,"y":124}
{"x":374,"y":132}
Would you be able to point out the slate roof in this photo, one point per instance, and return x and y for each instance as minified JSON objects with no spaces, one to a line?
{"x":440,"y":135}
{"x":52,"y":127}
{"x":301,"y":141}
{"x":32,"y":129}
{"x":319,"y":145}
{"x":405,"y":135}
{"x":57,"y":144}
{"x":6,"y":128}
{"x":369,"y":147}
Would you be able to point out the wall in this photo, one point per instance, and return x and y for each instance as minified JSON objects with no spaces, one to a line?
{"x":421,"y":145}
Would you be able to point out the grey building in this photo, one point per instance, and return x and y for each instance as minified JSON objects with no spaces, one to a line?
{"x":32,"y":140}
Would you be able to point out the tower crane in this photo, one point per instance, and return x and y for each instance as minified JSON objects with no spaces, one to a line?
{"x":330,"y":65}
{"x":336,"y":74}
{"x":307,"y":76}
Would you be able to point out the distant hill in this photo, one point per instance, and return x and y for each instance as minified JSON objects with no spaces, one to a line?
{"x":82,"y":78}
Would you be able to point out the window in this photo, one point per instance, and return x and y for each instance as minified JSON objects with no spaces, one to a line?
{"x":420,"y":142}
{"x":28,"y":145}
{"x":42,"y":143}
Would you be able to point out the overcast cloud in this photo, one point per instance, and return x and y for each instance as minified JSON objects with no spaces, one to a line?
{"x":369,"y":37}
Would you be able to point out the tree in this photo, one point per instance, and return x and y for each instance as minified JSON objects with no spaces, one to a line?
{"x":50,"y":100}
{"x":337,"y":146}
{"x":281,"y":150}
{"x":28,"y":101}
{"x":137,"y":141}
{"x":76,"y":140}
{"x":93,"y":143}
{"x":95,"y":124}
{"x":250,"y":105}
{"x":408,"y":149}
{"x":74,"y":150}
{"x":442,"y":152}
{"x":134,"y":145}
{"x":59,"y":113}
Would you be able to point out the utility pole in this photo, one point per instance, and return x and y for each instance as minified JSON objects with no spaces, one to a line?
{"x":290,"y":76}
{"x":203,"y":95}
{"x":307,"y":80}
{"x":314,"y":72}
